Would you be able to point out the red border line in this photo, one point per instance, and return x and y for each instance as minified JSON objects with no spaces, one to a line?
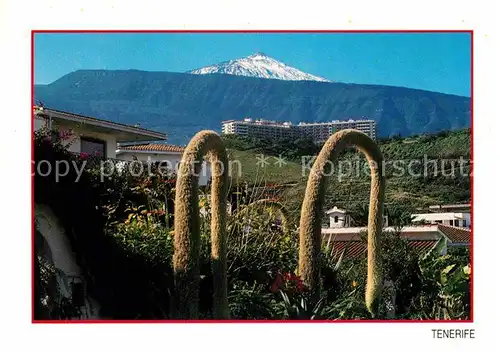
{"x":472,"y":176}
{"x":32,"y":177}
{"x":100,"y":321}
{"x":255,"y":31}
{"x":355,"y":321}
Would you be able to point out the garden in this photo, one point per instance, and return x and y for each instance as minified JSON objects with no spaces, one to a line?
{"x":148,"y":252}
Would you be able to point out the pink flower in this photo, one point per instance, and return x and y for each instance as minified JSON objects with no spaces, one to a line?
{"x":277,"y":283}
{"x":295,"y":280}
{"x":300,"y":286}
{"x":84,"y":155}
{"x":66,"y":134}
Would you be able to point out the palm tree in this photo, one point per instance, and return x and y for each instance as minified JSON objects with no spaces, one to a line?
{"x":399,"y":216}
{"x":359,"y":214}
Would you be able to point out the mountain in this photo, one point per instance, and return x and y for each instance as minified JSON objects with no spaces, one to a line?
{"x":261,"y":66}
{"x":181,"y":104}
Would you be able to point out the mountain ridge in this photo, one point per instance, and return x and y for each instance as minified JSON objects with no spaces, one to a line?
{"x":181,"y":104}
{"x":222,"y":74}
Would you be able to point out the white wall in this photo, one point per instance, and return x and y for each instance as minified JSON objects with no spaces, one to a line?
{"x":86,"y":131}
{"x":171,"y":159}
{"x":81,"y":131}
{"x":340,"y":220}
{"x":62,"y":256}
{"x":444,"y":218}
{"x":38,"y":123}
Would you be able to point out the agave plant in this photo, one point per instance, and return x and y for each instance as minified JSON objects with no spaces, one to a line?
{"x":303,"y":310}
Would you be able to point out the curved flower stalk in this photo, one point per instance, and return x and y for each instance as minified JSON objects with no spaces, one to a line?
{"x":187,"y":226}
{"x":311,"y":213}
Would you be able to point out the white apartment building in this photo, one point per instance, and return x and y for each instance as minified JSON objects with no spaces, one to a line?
{"x":319,"y":131}
{"x":259,"y":128}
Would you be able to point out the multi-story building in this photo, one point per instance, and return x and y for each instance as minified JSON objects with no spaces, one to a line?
{"x":259,"y":128}
{"x":319,"y":131}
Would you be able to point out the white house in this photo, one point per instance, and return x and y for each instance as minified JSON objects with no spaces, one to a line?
{"x":111,"y":140}
{"x":451,"y":219}
{"x":91,"y":135}
{"x":170,"y":155}
{"x":338,"y":218}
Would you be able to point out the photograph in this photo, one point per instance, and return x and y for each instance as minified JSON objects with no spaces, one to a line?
{"x":252,"y":176}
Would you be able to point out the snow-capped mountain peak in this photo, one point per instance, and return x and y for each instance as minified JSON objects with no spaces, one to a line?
{"x":259,"y":65}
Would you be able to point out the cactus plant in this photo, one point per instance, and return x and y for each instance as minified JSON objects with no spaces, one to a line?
{"x":311,"y":213}
{"x":187,"y":227}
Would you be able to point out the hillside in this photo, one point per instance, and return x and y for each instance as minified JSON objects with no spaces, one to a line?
{"x":181,"y":104}
{"x":438,"y":185}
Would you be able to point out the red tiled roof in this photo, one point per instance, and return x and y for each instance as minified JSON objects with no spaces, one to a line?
{"x":356,"y":249}
{"x":154,"y":148}
{"x":455,"y":234}
{"x":422,"y":246}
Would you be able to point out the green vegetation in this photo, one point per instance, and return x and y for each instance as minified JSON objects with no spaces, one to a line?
{"x":121,"y":231}
{"x":445,"y":179}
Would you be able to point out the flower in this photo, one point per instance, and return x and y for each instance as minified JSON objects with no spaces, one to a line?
{"x":277,"y":283}
{"x":466,"y":269}
{"x":84,"y":155}
{"x":65,"y":134}
{"x":294,"y":281}
{"x":354,"y":284}
{"x":300,"y":286}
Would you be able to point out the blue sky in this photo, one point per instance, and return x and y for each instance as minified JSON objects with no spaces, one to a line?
{"x":431,"y":61}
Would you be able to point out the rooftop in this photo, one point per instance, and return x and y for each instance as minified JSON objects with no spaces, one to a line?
{"x":456,"y":235}
{"x":334,"y":122}
{"x":127,"y":132}
{"x":335,"y":210}
{"x":288,"y":124}
{"x":152,"y":147}
{"x":356,"y":249}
